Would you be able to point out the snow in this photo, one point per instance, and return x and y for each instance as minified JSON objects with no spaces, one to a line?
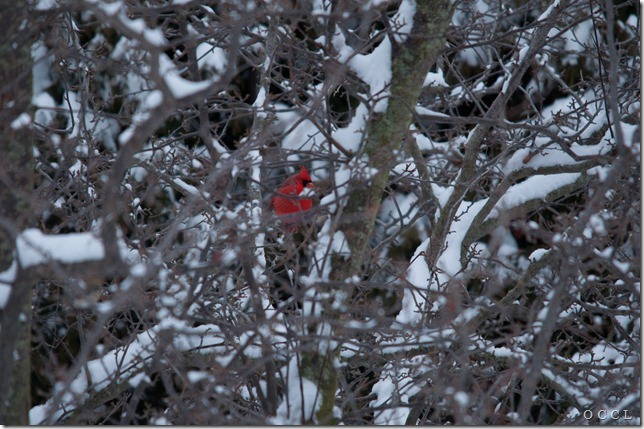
{"x":632,"y":139}
{"x":628,"y":401}
{"x":442,"y":194}
{"x":36,"y":248}
{"x":537,"y":254}
{"x":394,"y":416}
{"x":399,"y":210}
{"x":418,"y":276}
{"x":576,"y":40}
{"x":342,"y":179}
{"x":351,"y":136}
{"x":196,"y":376}
{"x":548,"y":11}
{"x":302,"y":128}
{"x":320,"y":8}
{"x":102,"y":372}
{"x":552,"y":156}
{"x":23,"y":120}
{"x":45,"y":108}
{"x":339,"y":245}
{"x":6,"y":280}
{"x":465,"y":315}
{"x":403,"y":20}
{"x":303,"y":136}
{"x":41,"y":70}
{"x":505,"y":352}
{"x":511,"y":67}
{"x":385,"y":390}
{"x":139,"y":378}
{"x":374,"y":68}
{"x":125,"y":364}
{"x":371,"y":4}
{"x":571,"y":389}
{"x":329,"y":243}
{"x":180,"y":87}
{"x":522,"y":52}
{"x":462,"y":399}
{"x":425,"y":111}
{"x":303,"y":398}
{"x":399,"y":381}
{"x":325,"y":345}
{"x":260,"y":99}
{"x":191,"y":190}
{"x":212,"y":57}
{"x":435,"y":79}
{"x":149,"y":100}
{"x":152,"y":36}
{"x":44,"y":5}
{"x":535,"y":187}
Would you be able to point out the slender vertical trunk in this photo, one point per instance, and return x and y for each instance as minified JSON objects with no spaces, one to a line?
{"x":411,"y":61}
{"x":16,"y":187}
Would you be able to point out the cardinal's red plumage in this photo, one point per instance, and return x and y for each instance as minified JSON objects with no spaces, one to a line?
{"x":286,"y":202}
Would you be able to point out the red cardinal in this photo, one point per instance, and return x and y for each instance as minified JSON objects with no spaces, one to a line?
{"x":286,"y":201}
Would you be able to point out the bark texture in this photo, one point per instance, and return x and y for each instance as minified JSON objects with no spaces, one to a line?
{"x":16,"y":184}
{"x":411,"y":61}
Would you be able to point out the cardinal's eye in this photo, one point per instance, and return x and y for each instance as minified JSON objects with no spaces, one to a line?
{"x":306,"y":182}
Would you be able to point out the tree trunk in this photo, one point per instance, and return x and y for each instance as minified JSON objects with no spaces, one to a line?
{"x":411,"y":61}
{"x":16,"y":188}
